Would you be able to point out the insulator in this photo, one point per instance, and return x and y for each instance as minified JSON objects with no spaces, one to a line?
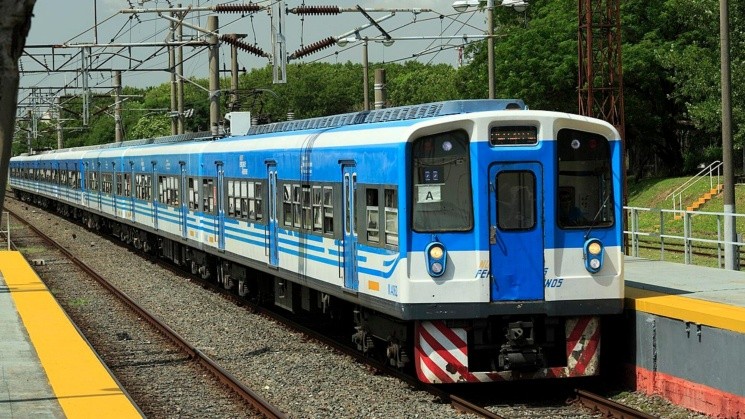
{"x":315,"y":10}
{"x":237,"y":8}
{"x":316,"y":46}
{"x":243,"y":46}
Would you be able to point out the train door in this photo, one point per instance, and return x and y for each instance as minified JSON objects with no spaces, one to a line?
{"x":183,"y":209}
{"x":271,"y":245}
{"x":132,"y":189}
{"x":114,"y":191}
{"x":516,"y":231}
{"x":218,"y":194}
{"x":351,"y":281}
{"x":155,"y":193}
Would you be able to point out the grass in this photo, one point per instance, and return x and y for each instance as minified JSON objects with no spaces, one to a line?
{"x":653,"y":193}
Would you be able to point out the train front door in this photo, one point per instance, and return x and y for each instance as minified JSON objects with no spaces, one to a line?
{"x":272,"y":245}
{"x":516,"y":232}
{"x":351,"y":282}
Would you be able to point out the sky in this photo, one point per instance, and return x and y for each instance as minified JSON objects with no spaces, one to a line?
{"x":71,"y":21}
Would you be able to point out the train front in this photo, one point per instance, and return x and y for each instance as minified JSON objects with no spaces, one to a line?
{"x":516,"y":245}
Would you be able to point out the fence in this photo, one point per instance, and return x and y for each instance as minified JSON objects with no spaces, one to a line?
{"x":5,"y":234}
{"x":698,"y":234}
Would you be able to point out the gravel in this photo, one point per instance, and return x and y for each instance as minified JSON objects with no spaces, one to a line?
{"x":303,"y":378}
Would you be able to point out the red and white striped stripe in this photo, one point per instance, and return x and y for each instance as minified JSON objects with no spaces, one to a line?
{"x":441,"y":354}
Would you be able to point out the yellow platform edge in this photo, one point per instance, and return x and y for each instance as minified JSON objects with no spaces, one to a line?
{"x":55,"y":339}
{"x":721,"y":316}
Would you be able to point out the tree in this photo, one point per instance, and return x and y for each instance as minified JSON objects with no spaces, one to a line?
{"x":15,"y":22}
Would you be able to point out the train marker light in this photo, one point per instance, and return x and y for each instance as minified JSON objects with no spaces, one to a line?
{"x":593,"y":255}
{"x":436,"y":256}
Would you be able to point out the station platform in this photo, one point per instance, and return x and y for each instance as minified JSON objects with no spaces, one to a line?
{"x":685,"y":335}
{"x":47,"y":368}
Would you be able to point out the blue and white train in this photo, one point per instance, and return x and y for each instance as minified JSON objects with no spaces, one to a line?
{"x":480,"y":240}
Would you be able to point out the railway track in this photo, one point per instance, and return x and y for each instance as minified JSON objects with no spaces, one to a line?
{"x":264,"y":407}
{"x":454,"y":400}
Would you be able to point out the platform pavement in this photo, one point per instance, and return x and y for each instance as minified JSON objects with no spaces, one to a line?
{"x":47,"y":368}
{"x":685,"y":334}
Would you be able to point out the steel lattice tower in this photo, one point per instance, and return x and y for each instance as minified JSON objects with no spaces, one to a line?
{"x":600,"y":72}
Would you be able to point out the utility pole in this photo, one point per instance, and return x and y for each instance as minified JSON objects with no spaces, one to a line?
{"x":730,"y":228}
{"x":172,"y":65}
{"x":180,"y":78}
{"x":365,"y":75}
{"x":118,"y":130}
{"x":214,"y":74}
{"x":60,"y":133}
{"x":380,"y":96}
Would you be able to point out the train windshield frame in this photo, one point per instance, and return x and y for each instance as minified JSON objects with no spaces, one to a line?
{"x":584,"y":197}
{"x":441,"y":183}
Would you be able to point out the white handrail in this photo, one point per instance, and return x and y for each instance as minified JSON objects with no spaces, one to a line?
{"x":678,"y":192}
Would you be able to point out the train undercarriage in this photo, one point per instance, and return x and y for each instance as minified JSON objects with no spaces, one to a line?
{"x":441,"y":351}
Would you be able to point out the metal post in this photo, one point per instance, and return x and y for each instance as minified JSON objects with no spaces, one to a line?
{"x":180,"y":79}
{"x":29,"y":133}
{"x":365,"y":75}
{"x":490,"y":45}
{"x":214,"y":74}
{"x":172,"y":67}
{"x":58,"y":105}
{"x":730,"y":230}
{"x":380,"y":88}
{"x":234,"y":76}
{"x":118,"y":131}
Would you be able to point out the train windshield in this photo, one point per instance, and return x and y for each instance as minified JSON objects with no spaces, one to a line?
{"x":585,"y":193}
{"x":442,"y":199}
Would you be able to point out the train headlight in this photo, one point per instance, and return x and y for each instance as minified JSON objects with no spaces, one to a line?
{"x":593,"y":255}
{"x":436,"y":258}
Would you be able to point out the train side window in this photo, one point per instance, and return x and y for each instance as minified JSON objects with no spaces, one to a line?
{"x":255,"y":210}
{"x":106,"y":183}
{"x":372,"y":214}
{"x":287,"y":204}
{"x":328,"y":210}
{"x":516,"y":200}
{"x":208,"y":195}
{"x":390,"y":197}
{"x":127,"y":185}
{"x":193,"y":194}
{"x":296,"y":207}
{"x":306,"y":208}
{"x":243,"y":204}
{"x":317,"y":209}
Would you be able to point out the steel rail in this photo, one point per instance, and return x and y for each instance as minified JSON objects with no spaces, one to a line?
{"x":253,"y":398}
{"x":607,"y":407}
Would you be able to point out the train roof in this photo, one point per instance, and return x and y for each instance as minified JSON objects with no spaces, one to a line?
{"x":400,"y":113}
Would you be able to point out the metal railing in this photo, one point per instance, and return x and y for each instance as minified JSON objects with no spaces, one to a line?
{"x":685,"y":236}
{"x":712,"y":170}
{"x":5,"y":234}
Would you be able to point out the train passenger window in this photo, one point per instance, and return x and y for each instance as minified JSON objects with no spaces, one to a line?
{"x":328,"y":210}
{"x":317,"y":209}
{"x":306,"y":211}
{"x":127,"y":185}
{"x":584,"y":196}
{"x":287,"y":205}
{"x":92,"y":181}
{"x":193,"y":194}
{"x":372,"y":212}
{"x":391,"y":216}
{"x":256,"y":211}
{"x":516,"y":206}
{"x":441,"y":168}
{"x":244,"y":208}
{"x":119,"y":185}
{"x":208,"y":195}
{"x":106,"y":183}
{"x":296,"y":208}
